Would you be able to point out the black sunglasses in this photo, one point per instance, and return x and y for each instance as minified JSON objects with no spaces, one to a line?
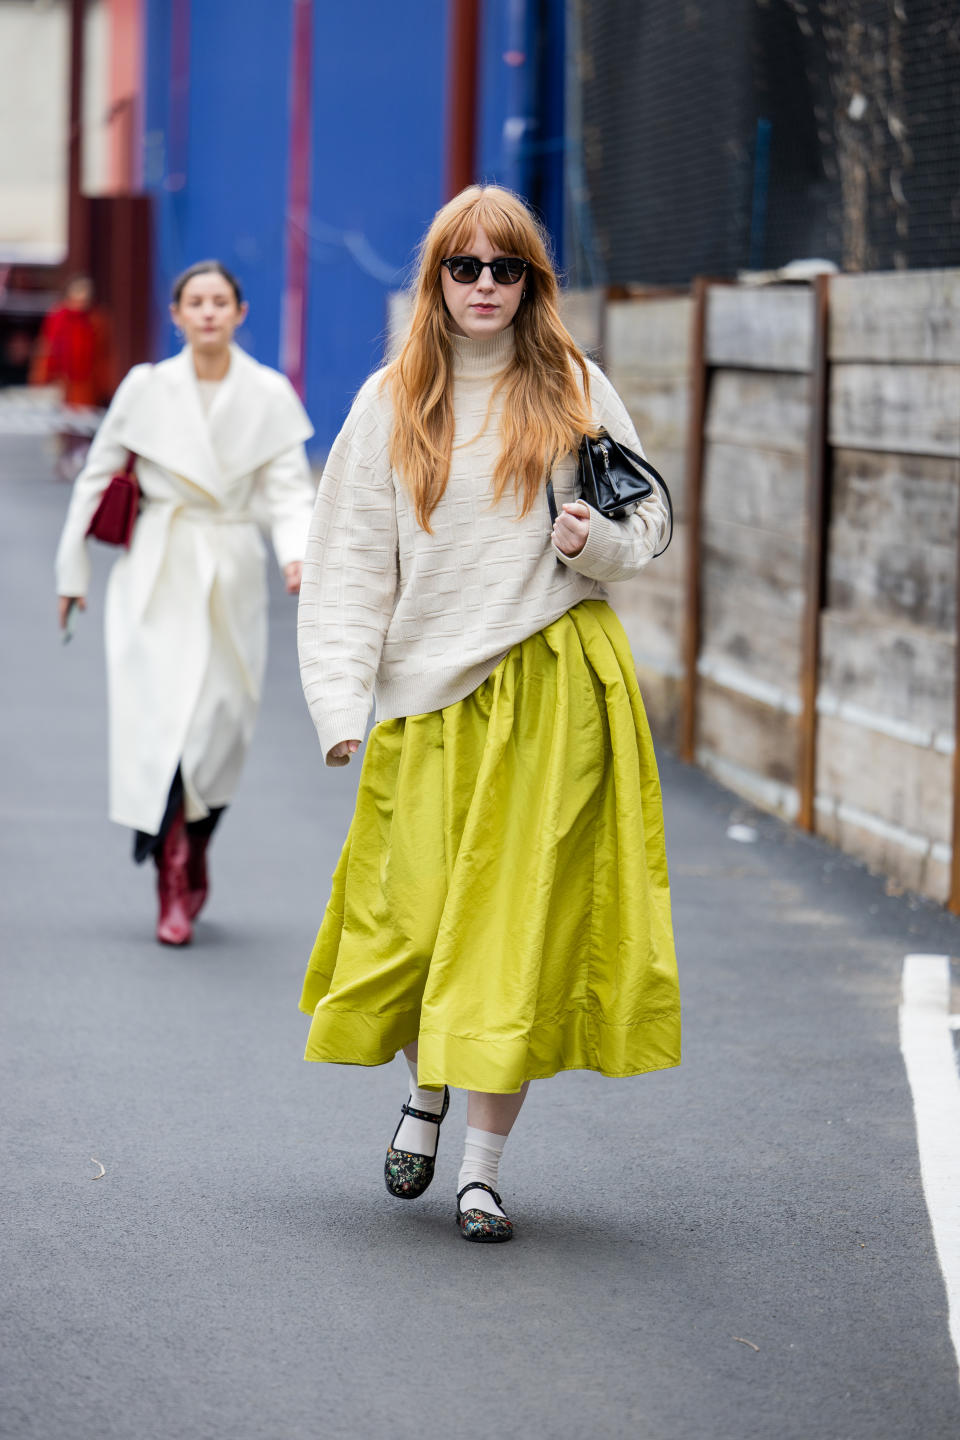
{"x":466,"y":269}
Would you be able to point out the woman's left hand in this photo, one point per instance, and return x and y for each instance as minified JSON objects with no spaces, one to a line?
{"x":293,"y":574}
{"x":571,"y":528}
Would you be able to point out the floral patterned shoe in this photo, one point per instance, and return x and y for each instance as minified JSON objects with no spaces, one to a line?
{"x":478,"y":1224}
{"x":406,"y":1173}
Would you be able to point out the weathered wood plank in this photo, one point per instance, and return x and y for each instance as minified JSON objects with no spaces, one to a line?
{"x":906,"y":859}
{"x":896,"y":495}
{"x":752,"y":624}
{"x":893,"y":536}
{"x":666,"y":572}
{"x":658,"y":406}
{"x":892,"y":671}
{"x":763,"y":410}
{"x":650,"y":606}
{"x":910,"y":579}
{"x":659,"y":411}
{"x":760,"y":329}
{"x":902,"y":784}
{"x":582,"y":311}
{"x":777,"y":558}
{"x":747,"y":733}
{"x":649,"y":336}
{"x":764,"y":488}
{"x":672,"y":465}
{"x":652,"y":620}
{"x":900,"y":409}
{"x":912,"y":316}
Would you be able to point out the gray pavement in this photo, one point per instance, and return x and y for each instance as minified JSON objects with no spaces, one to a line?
{"x":239,"y":1271}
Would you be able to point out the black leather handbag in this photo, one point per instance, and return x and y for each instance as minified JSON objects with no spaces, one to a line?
{"x":613,"y":480}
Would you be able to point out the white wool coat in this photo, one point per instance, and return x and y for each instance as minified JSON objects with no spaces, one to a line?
{"x":186,"y":606}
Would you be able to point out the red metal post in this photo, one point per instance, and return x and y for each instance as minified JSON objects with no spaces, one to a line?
{"x":462,"y":94}
{"x":293,"y":343}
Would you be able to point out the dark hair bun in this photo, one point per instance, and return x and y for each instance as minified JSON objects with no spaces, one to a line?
{"x":206,"y":267}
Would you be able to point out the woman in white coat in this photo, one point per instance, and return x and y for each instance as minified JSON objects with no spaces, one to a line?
{"x":218,"y":441}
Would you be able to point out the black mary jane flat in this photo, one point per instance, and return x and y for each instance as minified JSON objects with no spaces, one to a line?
{"x":479,"y":1225}
{"x":407,"y":1174}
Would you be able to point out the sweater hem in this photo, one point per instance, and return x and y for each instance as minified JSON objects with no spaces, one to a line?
{"x":421,"y":694}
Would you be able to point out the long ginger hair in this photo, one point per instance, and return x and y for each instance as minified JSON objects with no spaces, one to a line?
{"x":546,"y":406}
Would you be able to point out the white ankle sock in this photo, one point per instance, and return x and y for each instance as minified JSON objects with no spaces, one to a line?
{"x":419,"y":1137}
{"x":481,"y":1161}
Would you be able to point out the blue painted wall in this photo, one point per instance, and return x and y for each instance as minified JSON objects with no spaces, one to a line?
{"x":378,"y":148}
{"x":520,"y":124}
{"x":506,"y":122}
{"x":379,"y":93}
{"x":232,"y":204}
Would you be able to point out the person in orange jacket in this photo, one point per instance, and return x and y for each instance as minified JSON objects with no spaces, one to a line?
{"x":73,"y":351}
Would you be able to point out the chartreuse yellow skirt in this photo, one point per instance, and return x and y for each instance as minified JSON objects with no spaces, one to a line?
{"x":502,"y":896}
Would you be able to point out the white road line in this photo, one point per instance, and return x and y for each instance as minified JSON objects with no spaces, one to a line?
{"x":927,"y":1045}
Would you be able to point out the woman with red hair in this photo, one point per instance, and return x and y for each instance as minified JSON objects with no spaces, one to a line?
{"x":501,"y":908}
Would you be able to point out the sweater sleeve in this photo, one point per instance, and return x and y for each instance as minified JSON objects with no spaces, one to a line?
{"x":618,"y":549}
{"x":108,"y":455}
{"x":350,"y":575}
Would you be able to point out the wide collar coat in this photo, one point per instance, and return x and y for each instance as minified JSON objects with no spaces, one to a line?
{"x":186,"y":606}
{"x":255,"y":417}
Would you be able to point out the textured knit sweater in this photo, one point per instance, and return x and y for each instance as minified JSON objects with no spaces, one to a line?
{"x":417,"y":621}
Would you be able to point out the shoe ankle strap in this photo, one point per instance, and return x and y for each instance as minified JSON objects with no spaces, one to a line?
{"x":478,"y":1185}
{"x":421,"y":1114}
{"x":428,"y":1114}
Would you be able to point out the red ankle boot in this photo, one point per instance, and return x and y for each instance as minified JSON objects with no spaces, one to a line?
{"x":173,"y":924}
{"x":198,"y":883}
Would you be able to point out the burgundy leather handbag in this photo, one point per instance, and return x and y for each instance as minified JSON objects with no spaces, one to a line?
{"x":116,"y":515}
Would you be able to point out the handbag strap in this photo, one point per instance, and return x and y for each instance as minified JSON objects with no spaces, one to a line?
{"x":131,"y":462}
{"x":666,"y":496}
{"x":551,"y":500}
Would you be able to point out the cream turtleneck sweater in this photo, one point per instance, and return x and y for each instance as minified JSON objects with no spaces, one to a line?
{"x":418,"y":621}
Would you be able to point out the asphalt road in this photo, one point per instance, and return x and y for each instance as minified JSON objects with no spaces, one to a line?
{"x":239,"y":1270}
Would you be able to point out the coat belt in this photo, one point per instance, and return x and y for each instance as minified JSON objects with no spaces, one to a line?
{"x":204,"y":514}
{"x":215,"y":517}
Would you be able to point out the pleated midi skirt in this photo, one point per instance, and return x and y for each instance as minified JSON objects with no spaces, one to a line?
{"x":502,"y":895}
